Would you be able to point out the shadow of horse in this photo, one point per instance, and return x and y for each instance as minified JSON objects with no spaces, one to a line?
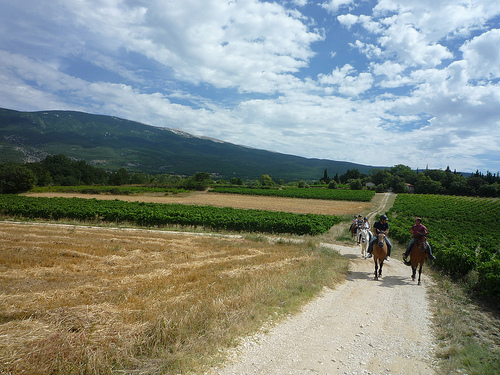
{"x":418,"y":255}
{"x":379,"y":254}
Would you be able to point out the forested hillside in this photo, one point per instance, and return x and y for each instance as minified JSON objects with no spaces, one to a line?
{"x":112,"y":143}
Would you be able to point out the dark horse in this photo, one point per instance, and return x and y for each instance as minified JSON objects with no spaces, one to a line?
{"x":419,"y":252}
{"x":354,"y":230}
{"x":379,"y":254}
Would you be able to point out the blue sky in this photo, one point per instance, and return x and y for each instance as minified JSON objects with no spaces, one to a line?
{"x":372,"y":82}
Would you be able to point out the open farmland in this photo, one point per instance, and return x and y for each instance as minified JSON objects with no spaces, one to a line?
{"x":295,"y":205}
{"x":90,"y":300}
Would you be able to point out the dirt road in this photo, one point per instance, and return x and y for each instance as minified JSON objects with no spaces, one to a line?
{"x":362,"y":327}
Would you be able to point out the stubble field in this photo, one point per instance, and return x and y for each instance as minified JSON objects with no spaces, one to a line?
{"x":81,"y":299}
{"x":295,"y":205}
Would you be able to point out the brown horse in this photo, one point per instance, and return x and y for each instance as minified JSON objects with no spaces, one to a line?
{"x":354,"y":230}
{"x":379,"y":254}
{"x":419,"y":252}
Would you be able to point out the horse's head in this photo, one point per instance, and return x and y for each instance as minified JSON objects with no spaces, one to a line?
{"x":422,"y":242}
{"x":381,"y":239}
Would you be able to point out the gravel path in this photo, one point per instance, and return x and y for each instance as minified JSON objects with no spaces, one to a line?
{"x":361,"y":327}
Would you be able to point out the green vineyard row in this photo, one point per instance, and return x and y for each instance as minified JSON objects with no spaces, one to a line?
{"x":463,"y":232}
{"x":156,"y":214}
{"x":313,"y":193}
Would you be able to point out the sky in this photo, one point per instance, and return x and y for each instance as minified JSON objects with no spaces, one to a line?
{"x":372,"y":82}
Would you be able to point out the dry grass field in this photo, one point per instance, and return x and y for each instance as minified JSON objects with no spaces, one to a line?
{"x":295,"y":205}
{"x":81,"y":300}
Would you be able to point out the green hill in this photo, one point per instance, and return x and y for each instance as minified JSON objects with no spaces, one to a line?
{"x":112,"y":143}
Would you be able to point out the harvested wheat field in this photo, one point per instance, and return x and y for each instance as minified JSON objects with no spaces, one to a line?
{"x":100,"y":300}
{"x":295,"y":205}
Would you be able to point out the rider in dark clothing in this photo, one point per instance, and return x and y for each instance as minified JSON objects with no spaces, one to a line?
{"x":380,"y":226}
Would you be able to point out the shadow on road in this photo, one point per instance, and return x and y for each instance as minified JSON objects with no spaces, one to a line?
{"x":385,"y":281}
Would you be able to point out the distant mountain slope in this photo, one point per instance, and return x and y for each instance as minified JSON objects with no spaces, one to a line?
{"x":112,"y":143}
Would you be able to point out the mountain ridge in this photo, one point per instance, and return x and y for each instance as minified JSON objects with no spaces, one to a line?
{"x":111,"y":142}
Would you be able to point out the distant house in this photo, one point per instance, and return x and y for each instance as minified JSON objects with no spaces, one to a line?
{"x":410,"y":188}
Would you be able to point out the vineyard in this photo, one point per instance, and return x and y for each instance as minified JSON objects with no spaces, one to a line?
{"x":463,"y":232}
{"x":157,"y":215}
{"x":330,"y":194}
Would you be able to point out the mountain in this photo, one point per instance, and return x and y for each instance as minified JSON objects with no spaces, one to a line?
{"x":112,"y":143}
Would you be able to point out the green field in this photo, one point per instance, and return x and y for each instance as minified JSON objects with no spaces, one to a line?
{"x":463,"y":232}
{"x":312,"y":193}
{"x":157,"y":214}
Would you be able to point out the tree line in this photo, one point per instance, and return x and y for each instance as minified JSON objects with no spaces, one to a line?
{"x":402,"y":179}
{"x":60,"y":170}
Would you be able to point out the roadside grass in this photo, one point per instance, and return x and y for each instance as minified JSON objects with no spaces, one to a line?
{"x":79,"y":300}
{"x":467,"y":329}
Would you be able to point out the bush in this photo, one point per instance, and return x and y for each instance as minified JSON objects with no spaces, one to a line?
{"x":16,"y":179}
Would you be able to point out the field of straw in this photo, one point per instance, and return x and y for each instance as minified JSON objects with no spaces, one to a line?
{"x":295,"y":205}
{"x":82,"y":300}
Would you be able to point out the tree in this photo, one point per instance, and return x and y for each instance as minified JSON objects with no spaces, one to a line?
{"x":121,"y":177}
{"x":266,"y":180}
{"x":398,"y":184}
{"x":333,"y":185}
{"x":303,"y":184}
{"x":350,"y":175}
{"x":236,"y":181}
{"x":426,"y":185}
{"x":325,"y":179}
{"x":381,"y":176}
{"x":200,"y":181}
{"x":355,"y":184}
{"x":16,"y":178}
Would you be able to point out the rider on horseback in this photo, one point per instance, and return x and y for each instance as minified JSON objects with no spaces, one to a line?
{"x":380,"y":226}
{"x":366,"y":225}
{"x":418,"y":229}
{"x":354,"y":222}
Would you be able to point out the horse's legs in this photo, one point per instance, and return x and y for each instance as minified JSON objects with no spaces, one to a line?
{"x":420,"y":274}
{"x":413,"y":272}
{"x":376,"y":270}
{"x":380,"y":269}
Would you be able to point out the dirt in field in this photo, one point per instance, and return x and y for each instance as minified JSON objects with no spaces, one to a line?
{"x":300,"y":206}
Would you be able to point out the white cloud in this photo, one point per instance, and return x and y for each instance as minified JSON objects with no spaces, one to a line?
{"x":333,"y":6}
{"x":407,"y":74}
{"x":299,"y":3}
{"x":345,"y":82}
{"x":411,"y":47}
{"x":482,"y":54}
{"x":348,"y":19}
{"x":440,"y":19}
{"x":226,"y":44}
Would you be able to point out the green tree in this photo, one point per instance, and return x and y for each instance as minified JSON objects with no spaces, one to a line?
{"x":16,"y":178}
{"x":350,"y":175}
{"x":121,"y":177}
{"x":200,"y":181}
{"x":236,"y":181}
{"x":355,"y":184}
{"x":325,"y":179}
{"x":266,"y":180}
{"x":426,"y":185}
{"x":381,"y":176}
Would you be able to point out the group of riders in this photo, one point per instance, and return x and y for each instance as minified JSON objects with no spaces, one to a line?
{"x":382,"y":226}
